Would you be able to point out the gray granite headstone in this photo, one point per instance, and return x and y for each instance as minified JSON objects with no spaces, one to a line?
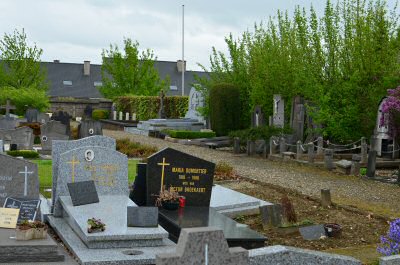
{"x":31,"y":115}
{"x":196,"y":245}
{"x":278,"y":117}
{"x":61,"y":146}
{"x":50,"y":131}
{"x":312,"y":232}
{"x":89,"y":128}
{"x":18,"y":178}
{"x":106,"y":167}
{"x":196,"y":101}
{"x":22,"y":137}
{"x":83,"y":192}
{"x":142,"y":216}
{"x":7,"y":123}
{"x":43,"y":118}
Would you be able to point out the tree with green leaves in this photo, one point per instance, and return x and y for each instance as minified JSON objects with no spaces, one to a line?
{"x":130,"y":72}
{"x":20,"y":63}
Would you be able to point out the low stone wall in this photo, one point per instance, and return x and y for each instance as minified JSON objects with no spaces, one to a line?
{"x":75,"y":107}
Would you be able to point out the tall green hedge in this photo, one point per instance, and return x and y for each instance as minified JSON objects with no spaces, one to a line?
{"x":224,"y":108}
{"x":146,"y":107}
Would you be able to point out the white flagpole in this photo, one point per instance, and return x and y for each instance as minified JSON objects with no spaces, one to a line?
{"x":183,"y":50}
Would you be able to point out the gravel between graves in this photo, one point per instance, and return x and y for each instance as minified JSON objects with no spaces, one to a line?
{"x":379,"y":198}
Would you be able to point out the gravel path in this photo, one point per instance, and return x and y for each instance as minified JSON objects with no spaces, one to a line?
{"x":377,"y":197}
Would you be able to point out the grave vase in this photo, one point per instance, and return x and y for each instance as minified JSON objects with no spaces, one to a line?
{"x":24,"y":234}
{"x":40,"y":233}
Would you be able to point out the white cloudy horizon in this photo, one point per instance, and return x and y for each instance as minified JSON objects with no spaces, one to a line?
{"x":77,"y":30}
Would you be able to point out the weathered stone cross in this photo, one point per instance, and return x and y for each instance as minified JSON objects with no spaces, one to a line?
{"x":8,"y":107}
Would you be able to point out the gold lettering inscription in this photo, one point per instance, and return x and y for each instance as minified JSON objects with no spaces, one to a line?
{"x":178,"y":170}
{"x":195,"y":177}
{"x":196,"y":170}
{"x":194,"y":189}
{"x":182,"y":177}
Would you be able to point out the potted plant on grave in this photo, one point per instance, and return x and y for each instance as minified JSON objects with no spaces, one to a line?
{"x":95,"y":225}
{"x":28,"y":230}
{"x":168,"y":199}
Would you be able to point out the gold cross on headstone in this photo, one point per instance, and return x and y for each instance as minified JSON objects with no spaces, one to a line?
{"x":163,"y":164}
{"x":73,"y":162}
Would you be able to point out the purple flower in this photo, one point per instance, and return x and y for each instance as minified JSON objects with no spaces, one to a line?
{"x":390,"y":244}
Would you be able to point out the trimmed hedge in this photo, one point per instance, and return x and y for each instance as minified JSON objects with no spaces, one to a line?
{"x":188,"y":134}
{"x":24,"y":153}
{"x":99,"y":114}
{"x":147,"y":107}
{"x":224,"y":108}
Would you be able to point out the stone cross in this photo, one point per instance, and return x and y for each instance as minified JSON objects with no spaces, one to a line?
{"x":73,"y":162}
{"x":26,"y":172}
{"x":8,"y":107}
{"x":163,"y":164}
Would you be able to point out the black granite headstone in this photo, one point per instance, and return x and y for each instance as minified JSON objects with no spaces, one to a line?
{"x":138,"y":191}
{"x":190,"y":176}
{"x":312,"y":232}
{"x":13,"y":147}
{"x":89,"y":128}
{"x":83,"y":192}
{"x":28,"y":207}
{"x":371,"y":166}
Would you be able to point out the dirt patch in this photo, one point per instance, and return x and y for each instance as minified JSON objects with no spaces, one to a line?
{"x":360,"y":230}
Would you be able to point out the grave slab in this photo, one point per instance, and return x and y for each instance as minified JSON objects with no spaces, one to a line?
{"x":115,"y":256}
{"x":190,"y":217}
{"x":312,"y":232}
{"x":112,"y":211}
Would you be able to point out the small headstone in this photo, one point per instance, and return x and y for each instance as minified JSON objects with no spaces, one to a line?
{"x":328,"y":159}
{"x":343,"y":166}
{"x":271,"y":215}
{"x":120,"y":116}
{"x":64,"y":118}
{"x":51,"y":131}
{"x":190,"y":176}
{"x":204,"y":245}
{"x":18,"y":178}
{"x":89,"y":128}
{"x":21,"y":137}
{"x":127,"y":116}
{"x":142,"y":216}
{"x":28,"y":208}
{"x":326,"y":198}
{"x":31,"y":115}
{"x":257,"y":117}
{"x":83,"y":192}
{"x":114,"y":115}
{"x":43,"y":118}
{"x":134,"y":116}
{"x":371,"y":166}
{"x":278,"y":118}
{"x":312,"y":232}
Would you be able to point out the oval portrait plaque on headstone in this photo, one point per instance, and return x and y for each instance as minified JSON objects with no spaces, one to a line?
{"x":89,"y":155}
{"x":91,"y":131}
{"x":44,"y":138}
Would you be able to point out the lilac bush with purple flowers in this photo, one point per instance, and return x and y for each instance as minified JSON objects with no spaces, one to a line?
{"x":390,"y":244}
{"x":392,"y":107}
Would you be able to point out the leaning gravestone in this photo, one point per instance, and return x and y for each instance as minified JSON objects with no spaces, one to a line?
{"x":190,"y":176}
{"x":62,"y":146}
{"x":196,"y":101}
{"x":89,"y":128}
{"x":50,"y":131}
{"x":106,"y":167}
{"x":204,"y":245}
{"x":18,"y":178}
{"x":21,"y":137}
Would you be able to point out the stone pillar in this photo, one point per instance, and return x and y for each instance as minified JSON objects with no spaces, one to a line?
{"x":320,"y":143}
{"x":127,"y":116}
{"x":355,"y":165}
{"x":271,"y":145}
{"x":298,"y":150}
{"x":328,"y":158}
{"x":236,"y":145}
{"x":120,"y":116}
{"x":134,"y":116}
{"x":364,"y":150}
{"x":310,"y":152}
{"x":371,"y":166}
{"x":271,"y":215}
{"x":114,"y":115}
{"x":1,"y":146}
{"x":326,"y":198}
{"x":265,"y":152}
{"x":282,"y":146}
{"x":250,"y":147}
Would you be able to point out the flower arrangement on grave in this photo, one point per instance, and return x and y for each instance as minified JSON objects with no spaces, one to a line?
{"x":95,"y":225}
{"x":390,"y":243}
{"x":391,"y":107}
{"x":28,"y":230}
{"x":168,"y":198}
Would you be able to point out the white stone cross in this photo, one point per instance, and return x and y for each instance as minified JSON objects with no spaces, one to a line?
{"x":26,"y":172}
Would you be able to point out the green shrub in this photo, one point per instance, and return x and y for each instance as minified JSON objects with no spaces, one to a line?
{"x":224,"y":108}
{"x":24,"y":153}
{"x":135,"y":149}
{"x":147,"y":107}
{"x":188,"y":134}
{"x":264,"y":132}
{"x":99,"y":114}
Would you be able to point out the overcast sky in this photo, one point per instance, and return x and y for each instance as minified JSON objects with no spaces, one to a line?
{"x":78,"y":30}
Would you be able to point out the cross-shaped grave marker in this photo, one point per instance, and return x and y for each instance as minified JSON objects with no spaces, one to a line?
{"x":26,"y":172}
{"x":8,"y":107}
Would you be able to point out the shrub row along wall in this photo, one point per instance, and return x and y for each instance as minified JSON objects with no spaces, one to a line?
{"x":147,"y":107}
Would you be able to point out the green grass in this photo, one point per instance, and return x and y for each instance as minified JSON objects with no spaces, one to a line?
{"x":45,"y":176}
